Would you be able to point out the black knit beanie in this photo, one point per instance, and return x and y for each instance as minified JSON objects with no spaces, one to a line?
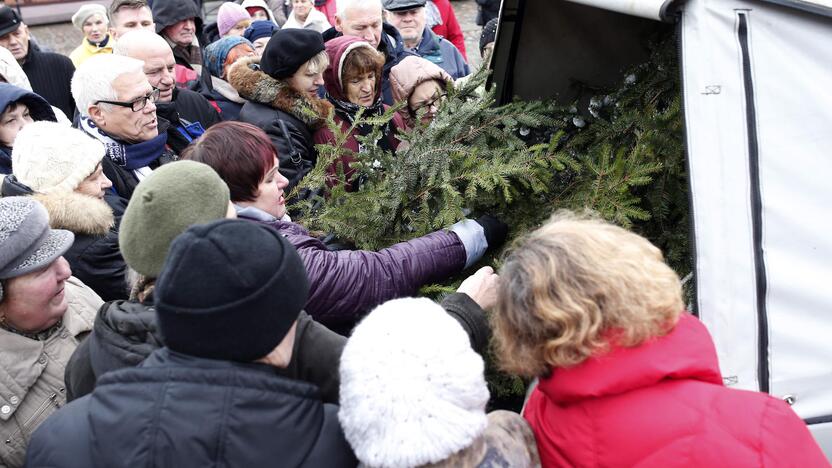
{"x":489,"y":33}
{"x":229,"y":290}
{"x":288,"y":49}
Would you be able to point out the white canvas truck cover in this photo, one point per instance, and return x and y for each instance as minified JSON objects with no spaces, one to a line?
{"x":757,"y":80}
{"x":757,"y":84}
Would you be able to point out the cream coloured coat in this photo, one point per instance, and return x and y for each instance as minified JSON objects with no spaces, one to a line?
{"x":32,"y":373}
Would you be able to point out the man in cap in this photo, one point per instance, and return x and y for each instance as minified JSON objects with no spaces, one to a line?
{"x":43,"y":313}
{"x":408,"y":16}
{"x":49,"y":73}
{"x":227,"y":302}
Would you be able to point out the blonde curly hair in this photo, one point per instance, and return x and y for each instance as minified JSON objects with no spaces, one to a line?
{"x":575,"y":284}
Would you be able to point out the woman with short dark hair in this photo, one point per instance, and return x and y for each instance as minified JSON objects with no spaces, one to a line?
{"x":344,"y":285}
{"x":353,"y":85}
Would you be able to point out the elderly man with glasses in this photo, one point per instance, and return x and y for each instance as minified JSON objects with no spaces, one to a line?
{"x":117,"y":106}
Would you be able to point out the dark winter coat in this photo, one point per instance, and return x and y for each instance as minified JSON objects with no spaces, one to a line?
{"x":39,"y":110}
{"x":182,"y":411}
{"x":663,"y":403}
{"x":50,"y":75}
{"x":226,"y":98}
{"x":345,"y":285}
{"x":94,"y":257}
{"x":392,"y":46}
{"x":441,"y":52}
{"x":187,"y":112}
{"x":125,"y":333}
{"x":488,"y":10}
{"x":272,"y":102}
{"x":124,"y":180}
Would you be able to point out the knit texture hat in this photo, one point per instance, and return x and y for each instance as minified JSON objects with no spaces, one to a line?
{"x":26,"y":242}
{"x":260,"y":29}
{"x":412,"y":390}
{"x":51,"y":157}
{"x":229,"y":15}
{"x":489,"y":33}
{"x":215,"y":54}
{"x":288,"y":49}
{"x":164,"y":204}
{"x":87,"y":10}
{"x":230,"y":290}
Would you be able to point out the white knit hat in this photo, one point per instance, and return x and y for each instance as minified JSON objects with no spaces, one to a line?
{"x":51,"y":157}
{"x":87,"y":10}
{"x":412,"y":389}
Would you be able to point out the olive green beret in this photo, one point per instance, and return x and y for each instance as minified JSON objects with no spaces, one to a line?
{"x":167,"y":202}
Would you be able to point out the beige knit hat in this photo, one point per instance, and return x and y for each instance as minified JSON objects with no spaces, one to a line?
{"x":86,"y":11}
{"x":51,"y":157}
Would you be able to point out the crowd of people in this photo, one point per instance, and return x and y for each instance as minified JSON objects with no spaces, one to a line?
{"x":159,"y":305}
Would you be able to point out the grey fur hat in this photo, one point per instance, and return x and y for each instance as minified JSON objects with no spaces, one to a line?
{"x":27,"y":243}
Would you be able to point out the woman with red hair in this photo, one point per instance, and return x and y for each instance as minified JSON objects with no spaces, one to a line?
{"x":344,"y":285}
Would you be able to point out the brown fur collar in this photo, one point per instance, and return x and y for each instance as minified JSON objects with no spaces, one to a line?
{"x":257,"y":86}
{"x":81,"y":214}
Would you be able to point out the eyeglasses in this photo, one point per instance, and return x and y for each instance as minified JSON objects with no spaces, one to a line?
{"x":138,"y":103}
{"x":435,"y":103}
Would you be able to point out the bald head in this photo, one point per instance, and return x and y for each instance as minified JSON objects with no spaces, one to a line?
{"x":157,"y":56}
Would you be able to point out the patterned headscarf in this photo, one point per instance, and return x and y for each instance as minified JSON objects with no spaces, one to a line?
{"x":216,"y":53}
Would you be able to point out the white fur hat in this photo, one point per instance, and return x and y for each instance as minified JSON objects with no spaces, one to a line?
{"x":51,"y":157}
{"x":412,"y":389}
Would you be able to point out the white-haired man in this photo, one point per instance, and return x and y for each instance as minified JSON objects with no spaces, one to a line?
{"x":364,"y":19}
{"x":408,"y":16}
{"x":188,"y":112}
{"x":117,"y":106}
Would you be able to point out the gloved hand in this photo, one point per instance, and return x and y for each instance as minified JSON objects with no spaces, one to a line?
{"x":495,"y":230}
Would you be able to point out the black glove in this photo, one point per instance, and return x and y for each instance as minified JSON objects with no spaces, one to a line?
{"x":496,"y":231}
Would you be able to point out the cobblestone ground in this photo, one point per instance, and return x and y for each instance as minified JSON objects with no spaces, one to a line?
{"x":63,"y":37}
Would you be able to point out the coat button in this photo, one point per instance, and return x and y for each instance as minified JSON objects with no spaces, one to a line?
{"x":6,"y":409}
{"x":64,"y":334}
{"x":14,"y":400}
{"x":42,"y":359}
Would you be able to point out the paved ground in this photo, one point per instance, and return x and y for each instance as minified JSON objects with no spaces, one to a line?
{"x":63,"y":38}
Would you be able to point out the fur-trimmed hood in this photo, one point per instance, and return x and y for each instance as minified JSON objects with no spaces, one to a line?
{"x":76,"y":212}
{"x":256,"y":86}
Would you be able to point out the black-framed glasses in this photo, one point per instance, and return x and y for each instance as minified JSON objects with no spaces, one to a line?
{"x":138,"y":103}
{"x":435,"y":103}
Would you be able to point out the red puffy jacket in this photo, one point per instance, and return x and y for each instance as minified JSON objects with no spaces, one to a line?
{"x":663,"y":404}
{"x":449,"y":29}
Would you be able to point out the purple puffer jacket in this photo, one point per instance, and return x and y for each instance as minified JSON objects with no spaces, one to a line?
{"x":346,"y":284}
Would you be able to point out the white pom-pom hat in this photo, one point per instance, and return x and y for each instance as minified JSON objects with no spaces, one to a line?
{"x":412,"y":389}
{"x":51,"y":157}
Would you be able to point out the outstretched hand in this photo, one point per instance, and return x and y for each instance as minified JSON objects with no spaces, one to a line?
{"x":481,"y":287}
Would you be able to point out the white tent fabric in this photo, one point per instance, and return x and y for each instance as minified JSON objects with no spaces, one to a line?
{"x":758,"y":110}
{"x":650,"y":9}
